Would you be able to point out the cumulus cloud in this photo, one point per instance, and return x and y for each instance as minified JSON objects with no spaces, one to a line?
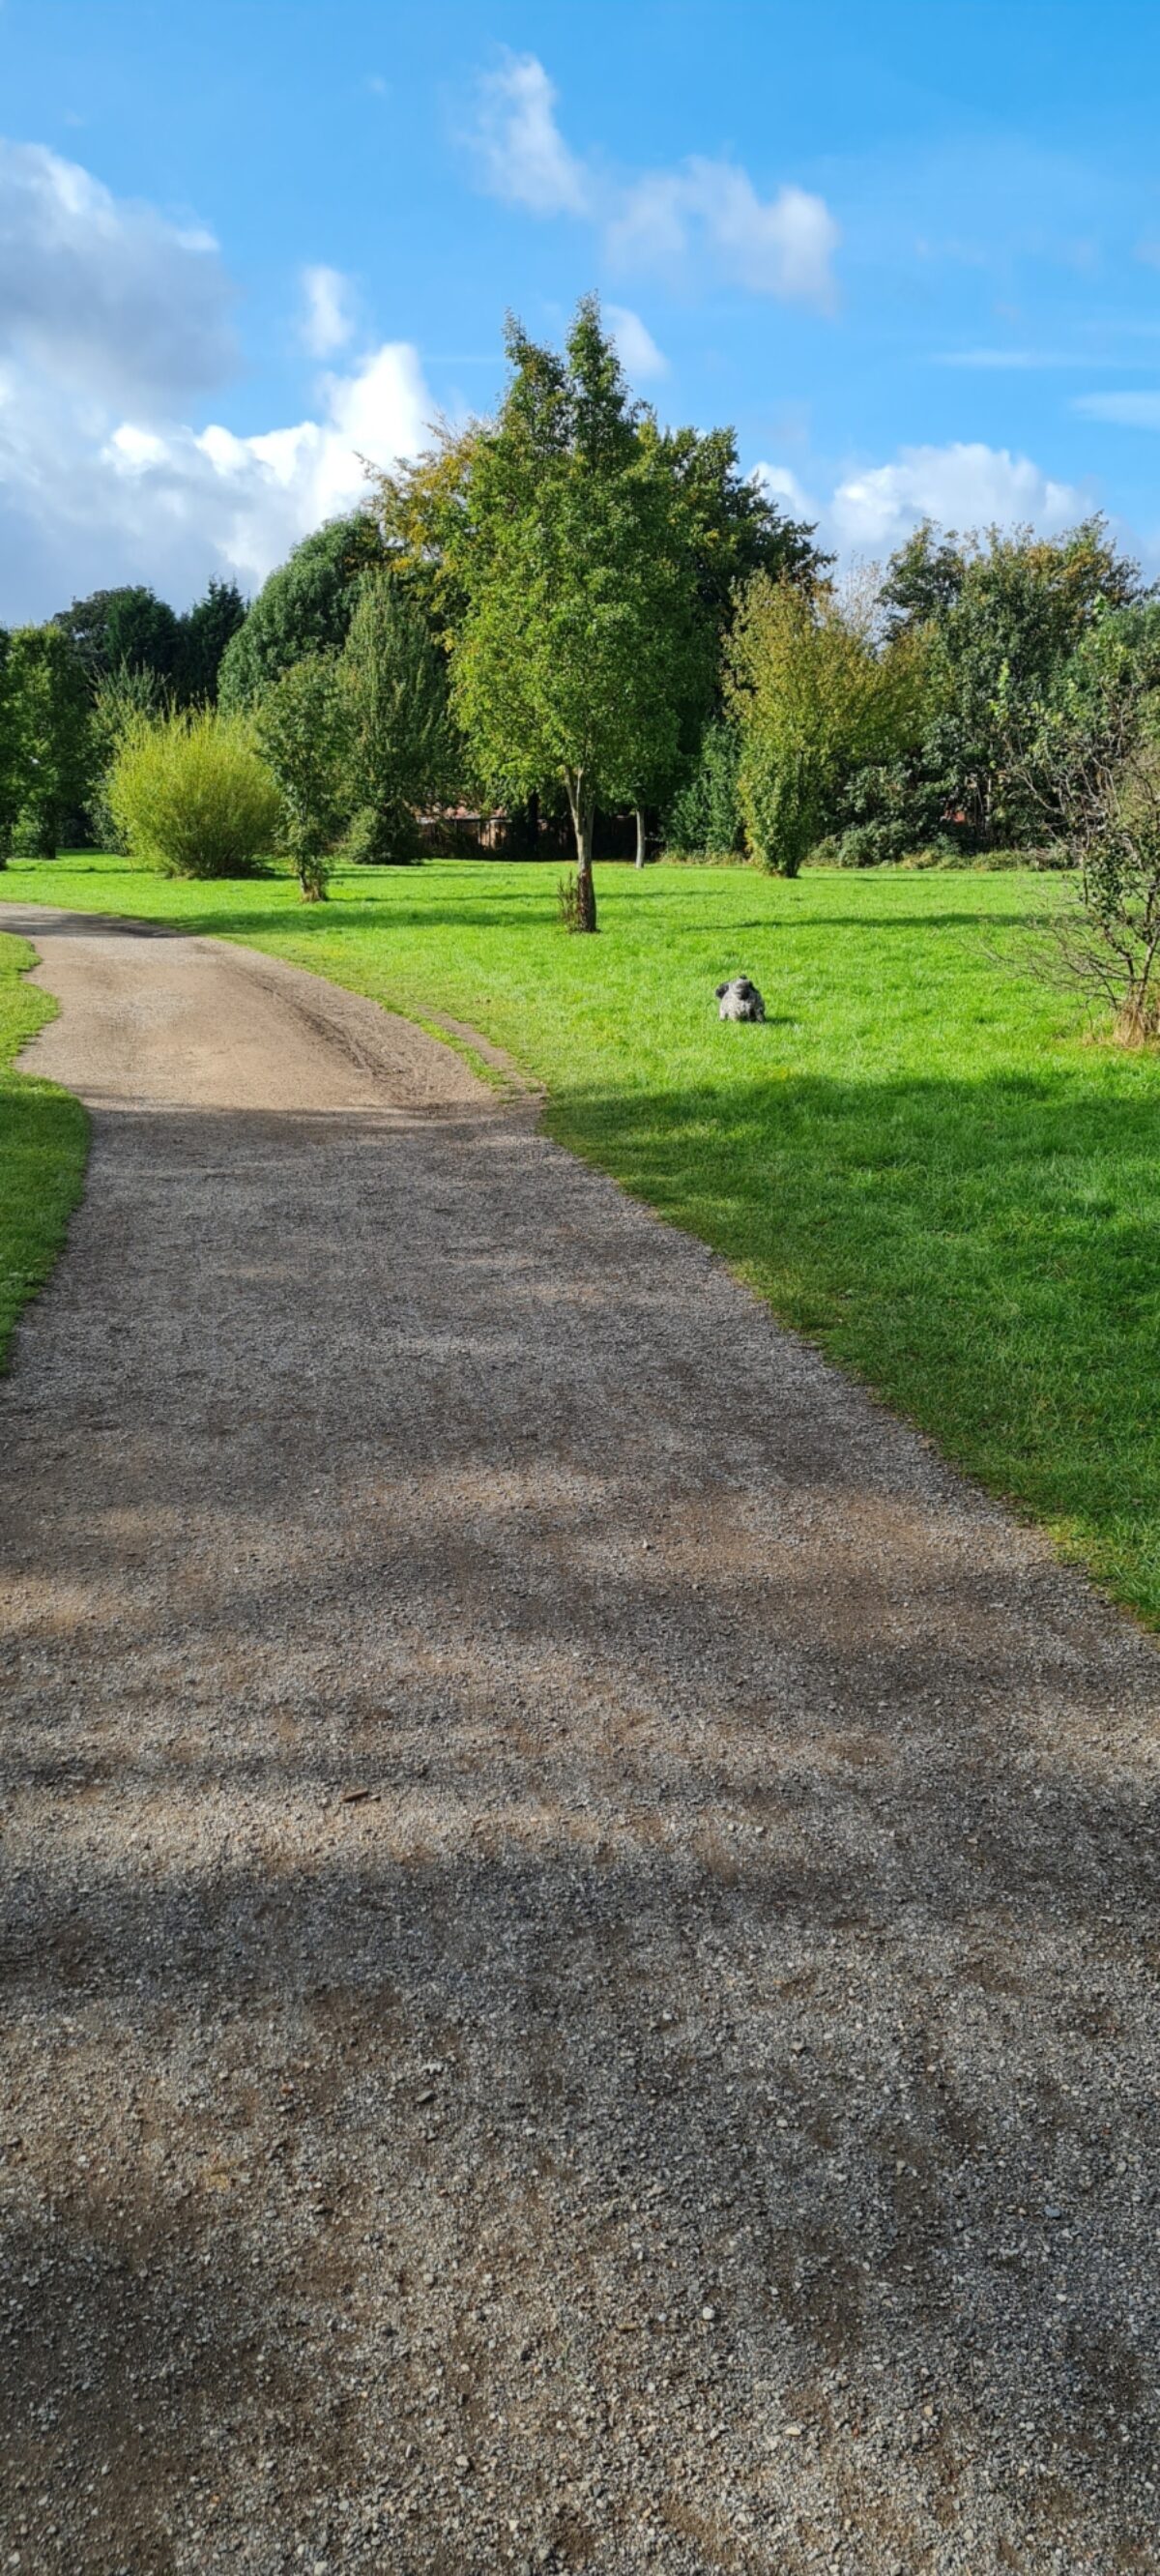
{"x":637,"y":349}
{"x":327,"y":317}
{"x":522,"y":154}
{"x":782,"y":486}
{"x":112,"y":320}
{"x":964,"y":485}
{"x":88,"y":499}
{"x":780,"y":245}
{"x":103,"y":296}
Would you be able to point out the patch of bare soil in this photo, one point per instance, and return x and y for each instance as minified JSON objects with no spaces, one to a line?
{"x":579,"y":1914}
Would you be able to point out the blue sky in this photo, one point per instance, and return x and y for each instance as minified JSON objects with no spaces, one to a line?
{"x":912,"y":252}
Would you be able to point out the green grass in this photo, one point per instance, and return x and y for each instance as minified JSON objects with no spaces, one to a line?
{"x":922,"y":1160}
{"x":43,"y":1138}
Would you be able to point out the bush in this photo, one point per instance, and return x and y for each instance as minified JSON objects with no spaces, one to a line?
{"x":816,"y":700}
{"x":191,"y":795}
{"x":383,"y":838}
{"x":302,"y":736}
{"x":704,"y":819}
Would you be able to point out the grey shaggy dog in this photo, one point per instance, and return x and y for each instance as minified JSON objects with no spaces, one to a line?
{"x":740,"y":1000}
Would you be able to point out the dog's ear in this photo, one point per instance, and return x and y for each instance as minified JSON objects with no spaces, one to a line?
{"x":721,"y":991}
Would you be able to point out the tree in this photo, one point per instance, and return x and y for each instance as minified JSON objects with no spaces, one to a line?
{"x":1012,"y":603}
{"x":205,"y":631}
{"x":11,"y":747}
{"x":304,"y":607}
{"x":128,"y":629}
{"x":573,"y":659}
{"x":418,"y":507}
{"x":400,"y":751}
{"x":1092,"y":767}
{"x":705,"y":818}
{"x":301,"y":731}
{"x":121,"y":700}
{"x":815,"y":698}
{"x":51,"y":715}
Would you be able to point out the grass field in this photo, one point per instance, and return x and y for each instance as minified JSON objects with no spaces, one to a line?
{"x":42,"y":1146}
{"x":922,"y":1160}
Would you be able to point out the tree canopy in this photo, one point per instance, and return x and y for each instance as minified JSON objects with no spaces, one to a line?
{"x":580,"y":644}
{"x":305,"y":606}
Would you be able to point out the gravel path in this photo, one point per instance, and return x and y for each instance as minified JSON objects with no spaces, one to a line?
{"x":579,"y":1913}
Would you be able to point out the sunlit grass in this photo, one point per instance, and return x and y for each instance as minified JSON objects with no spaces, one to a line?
{"x":42,"y":1147}
{"x":922,"y":1159}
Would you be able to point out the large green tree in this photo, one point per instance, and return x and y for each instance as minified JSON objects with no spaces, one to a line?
{"x":129,"y":629}
{"x":1006,"y":611}
{"x":206,"y":629}
{"x":816,"y":697}
{"x":304,"y":607}
{"x":580,"y":644}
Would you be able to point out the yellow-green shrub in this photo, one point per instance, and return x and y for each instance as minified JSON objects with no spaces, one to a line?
{"x":191,"y":795}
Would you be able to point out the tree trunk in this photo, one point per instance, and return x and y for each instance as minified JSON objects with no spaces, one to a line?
{"x":640,"y":836}
{"x":583,"y":804}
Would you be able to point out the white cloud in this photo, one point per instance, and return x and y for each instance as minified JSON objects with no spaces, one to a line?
{"x":327,"y":319}
{"x":782,"y":486}
{"x":522,"y":153}
{"x":89,"y":500}
{"x":781,"y":245}
{"x":637,"y":349}
{"x":111,"y":318}
{"x":1125,"y":411}
{"x":102,"y":296}
{"x":962,"y":486}
{"x":965,"y":485}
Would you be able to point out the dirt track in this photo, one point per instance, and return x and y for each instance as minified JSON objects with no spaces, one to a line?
{"x":580,"y":1932}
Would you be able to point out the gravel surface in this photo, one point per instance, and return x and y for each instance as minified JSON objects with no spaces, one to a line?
{"x":579,"y":1912}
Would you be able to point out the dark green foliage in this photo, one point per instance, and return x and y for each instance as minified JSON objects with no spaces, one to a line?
{"x":1006,"y":613}
{"x":11,"y":763}
{"x":131,"y":630}
{"x":1092,"y":766}
{"x":50,"y":714}
{"x":127,"y":629}
{"x":302,"y":733}
{"x":206,"y":629}
{"x":705,"y":819}
{"x":400,"y":750}
{"x":305,"y":607}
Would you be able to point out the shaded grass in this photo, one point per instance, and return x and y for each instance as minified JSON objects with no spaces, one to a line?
{"x":43,"y":1140}
{"x":921,"y":1160}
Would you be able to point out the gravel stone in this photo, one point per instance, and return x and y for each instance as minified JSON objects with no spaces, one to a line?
{"x":451,"y":1947}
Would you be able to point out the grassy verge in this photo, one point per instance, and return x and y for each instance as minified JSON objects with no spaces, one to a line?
{"x":921,"y":1160}
{"x":43,"y":1137}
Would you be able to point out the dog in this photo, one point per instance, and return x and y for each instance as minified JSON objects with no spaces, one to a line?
{"x":740,"y":1000}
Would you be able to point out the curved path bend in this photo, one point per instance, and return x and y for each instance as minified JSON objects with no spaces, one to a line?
{"x":579,"y":1919}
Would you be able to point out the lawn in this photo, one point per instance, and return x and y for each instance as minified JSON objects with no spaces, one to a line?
{"x":43,"y":1134}
{"x":922,"y":1160}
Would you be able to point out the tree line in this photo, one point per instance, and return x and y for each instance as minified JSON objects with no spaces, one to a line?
{"x":64,"y":689}
{"x":567,"y":608}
